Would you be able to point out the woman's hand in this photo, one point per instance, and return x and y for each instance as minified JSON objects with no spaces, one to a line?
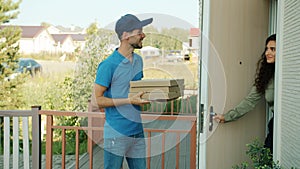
{"x":219,"y":118}
{"x":137,"y":99}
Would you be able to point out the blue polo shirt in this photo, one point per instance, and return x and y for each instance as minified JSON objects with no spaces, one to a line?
{"x":115,"y":73}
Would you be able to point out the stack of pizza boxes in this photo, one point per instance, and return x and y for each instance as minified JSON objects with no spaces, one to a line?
{"x":158,"y":89}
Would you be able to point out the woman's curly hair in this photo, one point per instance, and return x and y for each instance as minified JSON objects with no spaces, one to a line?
{"x":265,"y":71}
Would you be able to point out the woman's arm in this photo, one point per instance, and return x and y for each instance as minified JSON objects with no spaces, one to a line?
{"x":246,"y":105}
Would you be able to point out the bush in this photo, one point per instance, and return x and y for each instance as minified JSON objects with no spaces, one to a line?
{"x":260,"y":156}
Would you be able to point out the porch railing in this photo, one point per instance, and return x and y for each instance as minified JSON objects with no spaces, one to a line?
{"x":90,"y":129}
{"x":24,"y":115}
{"x":94,"y":132}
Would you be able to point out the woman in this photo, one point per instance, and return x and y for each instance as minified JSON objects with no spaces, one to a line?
{"x":263,"y":87}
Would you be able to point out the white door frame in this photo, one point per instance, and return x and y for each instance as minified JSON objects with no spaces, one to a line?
{"x":203,"y":86}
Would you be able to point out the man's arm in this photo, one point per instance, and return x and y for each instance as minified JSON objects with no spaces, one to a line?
{"x":103,"y":101}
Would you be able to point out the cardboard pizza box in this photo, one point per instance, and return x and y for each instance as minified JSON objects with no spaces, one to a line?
{"x":158,"y":89}
{"x":158,"y":96}
{"x":155,"y":89}
{"x":157,"y":82}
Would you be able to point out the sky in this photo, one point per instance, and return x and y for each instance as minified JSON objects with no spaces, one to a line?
{"x":84,"y":12}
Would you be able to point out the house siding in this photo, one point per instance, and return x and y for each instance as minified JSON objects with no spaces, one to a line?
{"x":68,"y":45}
{"x":42,"y":42}
{"x":287,"y":96}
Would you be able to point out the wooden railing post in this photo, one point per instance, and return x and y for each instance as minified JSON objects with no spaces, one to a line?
{"x":193,"y":146}
{"x":6,"y":153}
{"x":90,"y":141}
{"x":36,"y":138}
{"x":49,"y":141}
{"x":26,"y":152}
{"x":16,"y":142}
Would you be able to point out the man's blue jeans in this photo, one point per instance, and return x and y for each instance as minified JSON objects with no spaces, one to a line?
{"x":133,"y":148}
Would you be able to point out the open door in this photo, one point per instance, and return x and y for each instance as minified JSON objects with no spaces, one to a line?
{"x":233,"y":37}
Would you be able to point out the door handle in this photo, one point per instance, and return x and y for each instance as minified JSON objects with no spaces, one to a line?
{"x":211,"y":115}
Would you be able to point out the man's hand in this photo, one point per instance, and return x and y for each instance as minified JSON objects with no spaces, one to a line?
{"x":137,"y":99}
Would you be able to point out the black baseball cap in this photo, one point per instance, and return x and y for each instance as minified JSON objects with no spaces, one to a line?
{"x":129,"y":22}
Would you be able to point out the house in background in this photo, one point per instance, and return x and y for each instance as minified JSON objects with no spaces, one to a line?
{"x":150,"y":52}
{"x":191,"y":49}
{"x":71,"y":30}
{"x":194,"y":38}
{"x":36,"y":39}
{"x":77,"y":34}
{"x":79,"y":41}
{"x":53,"y":30}
{"x":63,"y":43}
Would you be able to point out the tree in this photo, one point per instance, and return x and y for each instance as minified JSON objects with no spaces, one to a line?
{"x":9,"y":37}
{"x":162,"y":41}
{"x":177,"y":33}
{"x":75,"y":92}
{"x":45,"y":24}
{"x":97,"y":48}
{"x":92,"y":29}
{"x":150,"y":29}
{"x":166,"y":39}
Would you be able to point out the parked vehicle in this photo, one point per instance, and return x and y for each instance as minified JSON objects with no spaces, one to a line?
{"x":29,"y":65}
{"x":26,"y":65}
{"x":174,"y":56}
{"x":186,"y":57}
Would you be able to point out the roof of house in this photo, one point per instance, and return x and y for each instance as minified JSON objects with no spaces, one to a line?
{"x":194,"y":32}
{"x":60,"y":37}
{"x":31,"y":31}
{"x":28,"y":31}
{"x":74,"y":29}
{"x":78,"y":37}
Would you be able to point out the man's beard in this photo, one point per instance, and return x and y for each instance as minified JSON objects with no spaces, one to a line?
{"x":136,"y":46}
